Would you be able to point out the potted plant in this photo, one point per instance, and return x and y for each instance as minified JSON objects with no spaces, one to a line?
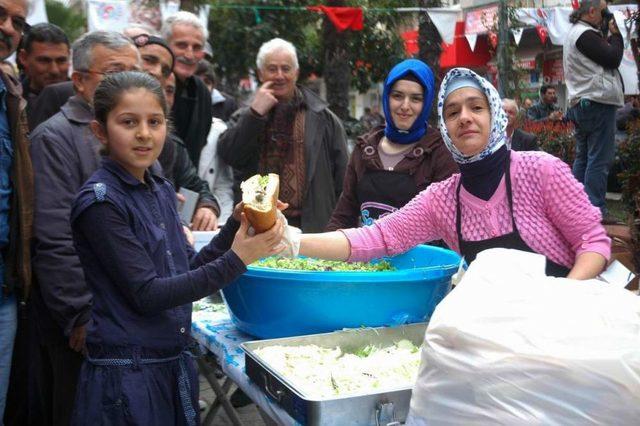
{"x":554,"y":137}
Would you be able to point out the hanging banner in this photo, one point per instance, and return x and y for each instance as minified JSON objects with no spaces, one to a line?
{"x":108,"y":15}
{"x":493,"y":39}
{"x":480,"y":21}
{"x":343,"y":18}
{"x":553,"y":71}
{"x":169,"y":7}
{"x":517,"y":35}
{"x":626,"y":25}
{"x":542,"y":34}
{"x":629,"y":72}
{"x":37,"y":13}
{"x":146,"y":12}
{"x":410,"y":39}
{"x":444,"y":20}
{"x":203,"y":14}
{"x":471,"y":39}
{"x":554,"y":19}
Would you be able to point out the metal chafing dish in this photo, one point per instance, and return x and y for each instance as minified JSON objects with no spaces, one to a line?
{"x":381,"y":408}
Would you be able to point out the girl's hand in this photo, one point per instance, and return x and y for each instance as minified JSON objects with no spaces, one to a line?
{"x":251,"y":248}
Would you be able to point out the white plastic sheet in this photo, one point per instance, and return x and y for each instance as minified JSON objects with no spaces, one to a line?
{"x":512,"y":346}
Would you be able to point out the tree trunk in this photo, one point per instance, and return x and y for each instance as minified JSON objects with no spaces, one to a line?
{"x":337,"y":72}
{"x":430,"y":48}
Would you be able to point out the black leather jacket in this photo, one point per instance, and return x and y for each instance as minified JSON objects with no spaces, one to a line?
{"x":181,"y":172}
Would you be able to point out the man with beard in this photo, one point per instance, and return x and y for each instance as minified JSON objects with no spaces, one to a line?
{"x":192,"y":107}
{"x":16,"y":193}
{"x":44,"y":56}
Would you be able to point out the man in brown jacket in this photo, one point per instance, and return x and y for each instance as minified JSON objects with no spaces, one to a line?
{"x":16,"y":192}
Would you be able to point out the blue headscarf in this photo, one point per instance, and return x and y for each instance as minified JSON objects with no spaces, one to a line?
{"x":424,"y":75}
{"x":463,"y":77}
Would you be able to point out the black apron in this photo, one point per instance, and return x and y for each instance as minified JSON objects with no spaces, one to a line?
{"x":512,"y":240}
{"x":381,"y":192}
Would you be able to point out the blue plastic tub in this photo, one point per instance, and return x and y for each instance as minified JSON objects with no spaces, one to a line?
{"x":270,"y":303}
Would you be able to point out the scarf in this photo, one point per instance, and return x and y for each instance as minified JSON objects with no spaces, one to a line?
{"x":424,"y":75}
{"x":497,"y":136}
{"x":480,"y":173}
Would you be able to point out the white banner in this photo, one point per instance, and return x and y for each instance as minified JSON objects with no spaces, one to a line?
{"x":445,"y":22}
{"x":38,"y":13}
{"x":517,"y":34}
{"x":169,"y":7}
{"x":108,"y":15}
{"x":554,"y":19}
{"x":203,"y":14}
{"x":471,"y":39}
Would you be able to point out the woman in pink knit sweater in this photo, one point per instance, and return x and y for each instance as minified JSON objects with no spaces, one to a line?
{"x":523,"y":200}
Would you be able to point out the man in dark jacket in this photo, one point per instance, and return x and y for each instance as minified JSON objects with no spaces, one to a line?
{"x":65,"y":154}
{"x":16,"y":194}
{"x":222,"y":104}
{"x":158,"y":61}
{"x":44,"y":55}
{"x":517,"y":139}
{"x":545,"y":108}
{"x":192,"y":107}
{"x":290,"y":131}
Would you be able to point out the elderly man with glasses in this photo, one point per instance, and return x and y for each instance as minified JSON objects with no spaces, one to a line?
{"x":65,"y":154}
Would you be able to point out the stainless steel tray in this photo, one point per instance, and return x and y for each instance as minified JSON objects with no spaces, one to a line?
{"x":380,"y":408}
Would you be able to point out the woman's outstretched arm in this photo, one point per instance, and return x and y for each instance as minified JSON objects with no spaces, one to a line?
{"x":328,"y":245}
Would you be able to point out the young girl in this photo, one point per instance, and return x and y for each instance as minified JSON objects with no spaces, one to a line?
{"x":141,"y":270}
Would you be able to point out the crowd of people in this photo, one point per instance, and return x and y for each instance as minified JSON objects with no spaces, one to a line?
{"x":98,"y":136}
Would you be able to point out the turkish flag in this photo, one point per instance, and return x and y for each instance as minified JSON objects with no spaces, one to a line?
{"x":542,"y":33}
{"x":493,"y":39}
{"x":575,"y":4}
{"x":343,"y":18}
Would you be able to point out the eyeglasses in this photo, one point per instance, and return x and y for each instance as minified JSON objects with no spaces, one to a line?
{"x":90,"y":71}
{"x":18,"y":23}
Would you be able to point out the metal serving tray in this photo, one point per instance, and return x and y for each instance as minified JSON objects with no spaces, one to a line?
{"x":388,"y":407}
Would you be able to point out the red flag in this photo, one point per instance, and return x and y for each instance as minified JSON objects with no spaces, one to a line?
{"x":493,"y":39}
{"x":575,"y":4}
{"x":410,"y":42}
{"x":343,"y":18}
{"x":542,"y":33}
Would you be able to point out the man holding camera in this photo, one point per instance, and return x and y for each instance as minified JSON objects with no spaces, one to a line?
{"x":595,"y":91}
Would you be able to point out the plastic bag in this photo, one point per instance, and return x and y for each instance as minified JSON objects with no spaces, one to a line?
{"x":512,"y":346}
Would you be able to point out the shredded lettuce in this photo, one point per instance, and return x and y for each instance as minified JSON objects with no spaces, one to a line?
{"x":323,"y":372}
{"x":263,"y":181}
{"x":310,"y":264}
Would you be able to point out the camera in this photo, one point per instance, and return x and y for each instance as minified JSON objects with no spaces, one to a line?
{"x":607,"y":16}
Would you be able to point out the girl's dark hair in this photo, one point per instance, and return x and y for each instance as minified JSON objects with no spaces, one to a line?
{"x":112,"y":87}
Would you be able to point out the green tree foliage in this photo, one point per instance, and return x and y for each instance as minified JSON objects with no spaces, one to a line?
{"x":237,"y":33}
{"x":72,"y":21}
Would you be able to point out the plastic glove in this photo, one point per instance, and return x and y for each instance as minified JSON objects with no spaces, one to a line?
{"x":290,"y":239}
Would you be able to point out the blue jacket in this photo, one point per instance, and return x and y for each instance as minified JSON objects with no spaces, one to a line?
{"x":139,"y":266}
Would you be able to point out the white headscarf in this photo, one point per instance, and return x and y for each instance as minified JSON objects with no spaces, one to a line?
{"x":498,"y":135}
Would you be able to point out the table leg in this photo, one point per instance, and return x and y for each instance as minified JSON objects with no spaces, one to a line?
{"x":221,"y":395}
{"x":266,"y":418}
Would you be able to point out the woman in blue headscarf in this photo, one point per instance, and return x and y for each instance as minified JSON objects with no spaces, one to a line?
{"x":527,"y":201}
{"x":394,"y":162}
